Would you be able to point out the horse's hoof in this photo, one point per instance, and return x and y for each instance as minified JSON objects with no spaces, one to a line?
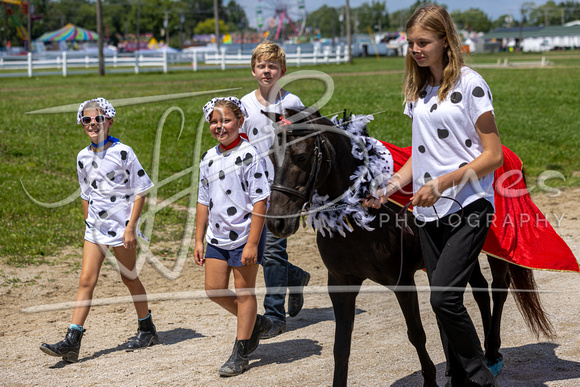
{"x":495,"y":366}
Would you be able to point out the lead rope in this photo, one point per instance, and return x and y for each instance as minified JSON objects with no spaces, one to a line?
{"x":406,"y":226}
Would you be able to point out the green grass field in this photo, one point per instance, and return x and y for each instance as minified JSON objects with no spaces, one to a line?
{"x":536,"y":112}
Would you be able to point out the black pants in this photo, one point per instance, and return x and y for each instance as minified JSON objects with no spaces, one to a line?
{"x":450,"y":247}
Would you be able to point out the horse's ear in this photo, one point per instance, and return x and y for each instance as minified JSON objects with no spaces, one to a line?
{"x":276,"y":117}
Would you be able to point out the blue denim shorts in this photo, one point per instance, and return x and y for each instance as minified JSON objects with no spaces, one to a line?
{"x":234,"y":257}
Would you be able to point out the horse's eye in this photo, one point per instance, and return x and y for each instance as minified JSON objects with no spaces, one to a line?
{"x":300,"y":158}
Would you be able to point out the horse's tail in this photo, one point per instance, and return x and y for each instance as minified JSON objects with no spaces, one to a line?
{"x":528,"y":301}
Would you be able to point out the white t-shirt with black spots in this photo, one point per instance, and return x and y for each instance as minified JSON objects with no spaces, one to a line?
{"x":230,"y":184}
{"x":259,"y":128}
{"x":109,"y":181}
{"x":445,"y":139}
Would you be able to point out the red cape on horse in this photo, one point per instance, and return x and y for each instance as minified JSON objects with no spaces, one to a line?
{"x":520,"y":233}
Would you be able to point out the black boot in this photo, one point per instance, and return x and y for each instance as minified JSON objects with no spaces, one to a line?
{"x":146,"y":335}
{"x":261,"y":326}
{"x":238,"y":361}
{"x":68,"y":348}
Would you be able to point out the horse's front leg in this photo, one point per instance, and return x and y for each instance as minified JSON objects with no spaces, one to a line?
{"x":343,"y":304}
{"x":479,"y":286}
{"x":409,"y":304}
{"x":500,"y":283}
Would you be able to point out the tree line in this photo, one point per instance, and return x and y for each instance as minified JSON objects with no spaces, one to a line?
{"x":182,"y":19}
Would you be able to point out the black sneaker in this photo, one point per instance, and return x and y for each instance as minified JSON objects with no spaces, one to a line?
{"x":296,"y":299}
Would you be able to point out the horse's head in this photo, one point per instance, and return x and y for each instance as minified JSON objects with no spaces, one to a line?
{"x":302,"y":158}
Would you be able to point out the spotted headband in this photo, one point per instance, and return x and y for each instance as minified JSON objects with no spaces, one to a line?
{"x":105,"y":106}
{"x":209,"y":107}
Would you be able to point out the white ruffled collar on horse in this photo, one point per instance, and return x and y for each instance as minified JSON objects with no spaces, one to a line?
{"x":373,"y":168}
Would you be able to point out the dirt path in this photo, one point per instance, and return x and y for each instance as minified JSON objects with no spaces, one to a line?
{"x":197,"y":335}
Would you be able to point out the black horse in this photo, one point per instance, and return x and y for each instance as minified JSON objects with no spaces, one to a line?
{"x":315,"y":163}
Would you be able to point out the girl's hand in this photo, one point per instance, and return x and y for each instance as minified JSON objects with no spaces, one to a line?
{"x":130,"y":237}
{"x":198,"y":253}
{"x":381,"y":196}
{"x":427,"y":195}
{"x":250,"y":255}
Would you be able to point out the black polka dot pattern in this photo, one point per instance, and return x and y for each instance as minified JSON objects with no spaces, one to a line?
{"x":232,"y":211}
{"x":233,"y":235}
{"x":214,"y":241}
{"x":248,"y":158}
{"x":257,"y":175}
{"x":442,"y":133}
{"x":468,"y":143}
{"x":478,"y":92}
{"x":103,"y":214}
{"x":255,"y":131}
{"x":112,"y":233}
{"x":427,"y":177}
{"x":141,"y":173}
{"x":95,"y":165}
{"x":421,"y":149}
{"x":105,"y":106}
{"x":433,"y":108}
{"x":221,"y":175}
{"x":111,"y":175}
{"x":123,"y":155}
{"x":456,"y":97}
{"x":81,"y":166}
{"x":462,"y":165}
{"x":113,"y":199}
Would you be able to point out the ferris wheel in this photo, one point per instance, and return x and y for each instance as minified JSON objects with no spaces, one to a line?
{"x":275,"y":16}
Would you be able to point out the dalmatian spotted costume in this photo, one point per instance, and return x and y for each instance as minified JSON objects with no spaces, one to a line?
{"x":230,"y":183}
{"x":109,"y":181}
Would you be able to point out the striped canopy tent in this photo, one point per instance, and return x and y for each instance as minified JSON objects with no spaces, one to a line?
{"x":69,"y":32}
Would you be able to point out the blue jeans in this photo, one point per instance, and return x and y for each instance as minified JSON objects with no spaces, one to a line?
{"x":278,"y":275}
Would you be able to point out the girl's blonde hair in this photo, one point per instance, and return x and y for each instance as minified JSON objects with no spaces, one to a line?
{"x":436,"y":19}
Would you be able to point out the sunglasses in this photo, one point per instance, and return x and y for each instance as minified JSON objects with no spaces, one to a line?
{"x":98,"y":119}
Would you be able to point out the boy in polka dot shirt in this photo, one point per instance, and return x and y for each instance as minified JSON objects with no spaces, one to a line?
{"x":113,"y":184}
{"x":232,"y":203}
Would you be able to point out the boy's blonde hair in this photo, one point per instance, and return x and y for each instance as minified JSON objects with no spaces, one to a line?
{"x":269,"y":51}
{"x":433,"y":18}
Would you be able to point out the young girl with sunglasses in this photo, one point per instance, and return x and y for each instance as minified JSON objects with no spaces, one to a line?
{"x":455,"y":150}
{"x":113,"y":184}
{"x":232,"y":201}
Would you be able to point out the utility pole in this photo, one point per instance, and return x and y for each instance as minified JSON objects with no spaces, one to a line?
{"x":166,"y":26}
{"x":100,"y":41}
{"x":348,"y":33}
{"x":29,"y":26}
{"x":138,"y":26}
{"x":217,"y":24}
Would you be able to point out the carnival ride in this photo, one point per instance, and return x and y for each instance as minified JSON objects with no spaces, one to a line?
{"x":278,"y":15}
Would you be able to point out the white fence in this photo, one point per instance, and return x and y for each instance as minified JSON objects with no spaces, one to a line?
{"x":163,"y":60}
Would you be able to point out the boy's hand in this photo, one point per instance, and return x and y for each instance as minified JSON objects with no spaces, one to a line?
{"x":250,"y":255}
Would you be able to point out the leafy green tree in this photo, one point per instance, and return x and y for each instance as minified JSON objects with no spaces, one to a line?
{"x":472,"y":19}
{"x":373,"y":16}
{"x":208,"y":27}
{"x":325,"y":20}
{"x":398,"y":19}
{"x":547,"y":15}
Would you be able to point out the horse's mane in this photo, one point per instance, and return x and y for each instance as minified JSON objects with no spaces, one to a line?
{"x":373,"y":167}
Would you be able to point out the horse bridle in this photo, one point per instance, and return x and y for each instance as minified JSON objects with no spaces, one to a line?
{"x":308,"y":191}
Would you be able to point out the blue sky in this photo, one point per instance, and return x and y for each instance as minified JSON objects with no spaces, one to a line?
{"x":493,"y":8}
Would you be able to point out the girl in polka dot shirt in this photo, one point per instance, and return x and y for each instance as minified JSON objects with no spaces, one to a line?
{"x":455,"y":150}
{"x":113,"y":184}
{"x":232,"y":202}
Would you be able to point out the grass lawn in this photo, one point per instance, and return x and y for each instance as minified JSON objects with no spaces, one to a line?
{"x":536,"y":112}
